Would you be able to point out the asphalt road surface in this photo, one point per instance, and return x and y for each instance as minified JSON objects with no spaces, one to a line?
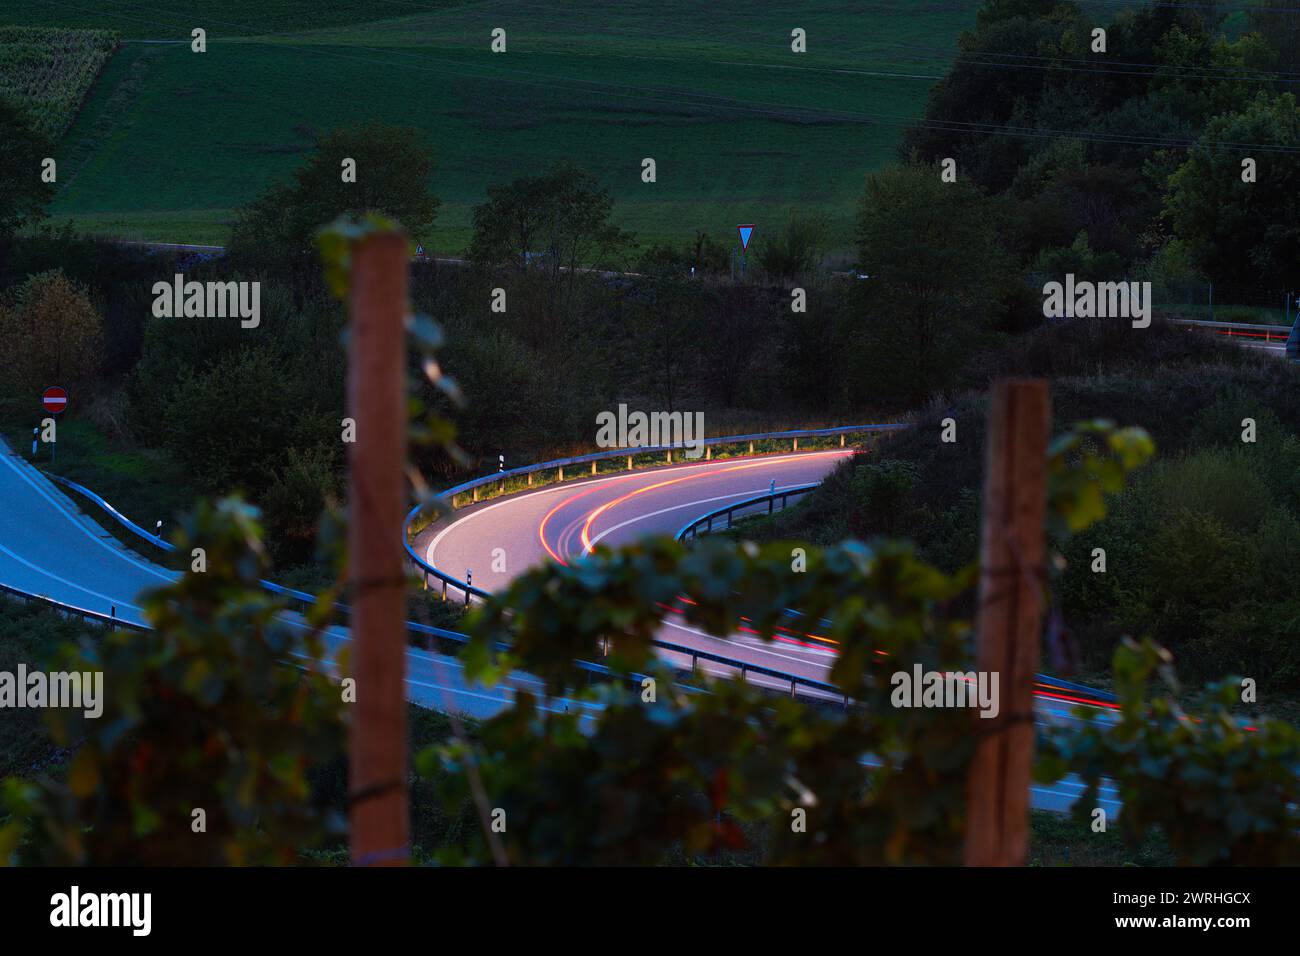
{"x":500,"y":539}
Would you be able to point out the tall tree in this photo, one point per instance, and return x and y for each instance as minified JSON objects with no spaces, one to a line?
{"x":935,"y":270}
{"x":52,"y":335}
{"x":559,"y":220}
{"x":392,"y":172}
{"x":1242,"y":233}
{"x":1278,"y":22}
{"x":23,"y":195}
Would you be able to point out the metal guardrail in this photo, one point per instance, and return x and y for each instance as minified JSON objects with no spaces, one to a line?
{"x":696,"y":655}
{"x":163,"y":543}
{"x":559,"y":464}
{"x":1229,"y":327}
{"x":708,"y":444}
{"x":692,"y":529}
{"x":1290,"y":334}
{"x":81,"y":612}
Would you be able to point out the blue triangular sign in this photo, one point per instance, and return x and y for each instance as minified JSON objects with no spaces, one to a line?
{"x":745,"y":233}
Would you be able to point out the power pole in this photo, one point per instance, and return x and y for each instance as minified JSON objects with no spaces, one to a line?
{"x":378,"y":815}
{"x":1012,"y":576}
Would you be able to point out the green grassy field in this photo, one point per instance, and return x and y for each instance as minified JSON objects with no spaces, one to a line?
{"x":170,"y":142}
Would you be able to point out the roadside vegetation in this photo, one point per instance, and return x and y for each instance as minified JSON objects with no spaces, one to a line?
{"x":1198,"y":550}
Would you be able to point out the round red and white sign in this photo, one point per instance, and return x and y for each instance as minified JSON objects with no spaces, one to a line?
{"x":54,"y":399}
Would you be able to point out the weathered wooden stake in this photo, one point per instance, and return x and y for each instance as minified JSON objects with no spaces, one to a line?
{"x":378,"y":813}
{"x":1012,"y":575}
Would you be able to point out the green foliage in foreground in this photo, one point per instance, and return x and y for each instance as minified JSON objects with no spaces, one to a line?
{"x":199,"y":713}
{"x":659,"y":767}
{"x":650,"y":774}
{"x":31,"y":634}
{"x":1221,"y":791}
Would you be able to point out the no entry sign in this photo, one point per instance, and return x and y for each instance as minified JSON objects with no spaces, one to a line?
{"x":54,"y":399}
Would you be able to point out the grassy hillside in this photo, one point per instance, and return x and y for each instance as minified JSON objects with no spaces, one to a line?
{"x":740,"y":127}
{"x":152,"y":19}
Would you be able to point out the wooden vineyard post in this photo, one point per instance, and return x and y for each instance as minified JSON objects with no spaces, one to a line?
{"x":1012,"y":576}
{"x":378,"y":815}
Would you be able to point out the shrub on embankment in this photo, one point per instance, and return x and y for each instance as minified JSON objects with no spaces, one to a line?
{"x":1198,"y":550}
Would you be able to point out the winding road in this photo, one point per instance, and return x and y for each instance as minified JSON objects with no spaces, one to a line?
{"x":49,"y":548}
{"x":500,"y":539}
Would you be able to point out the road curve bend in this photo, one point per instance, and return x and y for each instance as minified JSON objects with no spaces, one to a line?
{"x":49,"y":548}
